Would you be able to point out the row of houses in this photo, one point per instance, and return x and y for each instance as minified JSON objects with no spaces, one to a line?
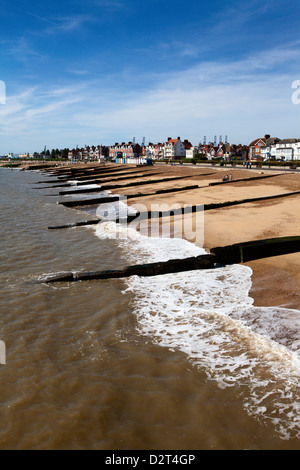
{"x":264,"y":148}
{"x":91,"y":153}
{"x":274,"y":148}
{"x":132,"y":152}
{"x":171,"y":149}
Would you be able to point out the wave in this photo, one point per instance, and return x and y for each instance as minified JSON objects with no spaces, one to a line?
{"x":209,"y":315}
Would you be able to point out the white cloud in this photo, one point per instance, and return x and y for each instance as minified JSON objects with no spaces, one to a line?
{"x":71,"y":23}
{"x":206,"y":97}
{"x":240,"y":99}
{"x":22,"y":50}
{"x":48,"y":109}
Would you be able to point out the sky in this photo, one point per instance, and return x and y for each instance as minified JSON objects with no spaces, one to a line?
{"x":96,"y":72}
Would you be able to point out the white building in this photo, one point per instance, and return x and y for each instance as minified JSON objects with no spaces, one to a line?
{"x":174,"y":148}
{"x":149,"y":150}
{"x":274,"y":148}
{"x":192,"y":151}
{"x":286,"y":149}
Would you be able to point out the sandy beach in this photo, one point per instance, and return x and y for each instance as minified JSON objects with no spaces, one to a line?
{"x":276,"y":280}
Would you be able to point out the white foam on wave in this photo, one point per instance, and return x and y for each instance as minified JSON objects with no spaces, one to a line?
{"x":86,"y":186}
{"x":93,"y":195}
{"x":112,"y":211}
{"x":209,"y":316}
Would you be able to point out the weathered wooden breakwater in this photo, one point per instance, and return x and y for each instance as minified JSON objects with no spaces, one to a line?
{"x":219,"y":256}
{"x":100,"y":174}
{"x":91,"y":190}
{"x":109,"y":187}
{"x":84,"y":176}
{"x":139,"y":215}
{"x":85,"y":171}
{"x":217,"y":205}
{"x":95,"y":179}
{"x":238,"y":180}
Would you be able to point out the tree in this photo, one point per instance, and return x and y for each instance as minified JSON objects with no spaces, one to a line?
{"x":64,"y":153}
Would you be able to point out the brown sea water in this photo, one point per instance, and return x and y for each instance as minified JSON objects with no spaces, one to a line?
{"x":178,"y":361}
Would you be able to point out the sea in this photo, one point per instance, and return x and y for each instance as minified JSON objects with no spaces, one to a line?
{"x":180,"y":361}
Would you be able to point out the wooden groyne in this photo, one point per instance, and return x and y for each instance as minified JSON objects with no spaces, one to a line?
{"x":247,"y":200}
{"x":76,"y":224}
{"x":96,"y":174}
{"x":89,"y":202}
{"x":219,"y":256}
{"x":139,"y":215}
{"x":84,"y":172}
{"x":92,"y":190}
{"x":151,"y":269}
{"x":84,"y":177}
{"x":238,"y":180}
{"x":216,"y":205}
{"x":257,"y":249}
{"x":109,"y":187}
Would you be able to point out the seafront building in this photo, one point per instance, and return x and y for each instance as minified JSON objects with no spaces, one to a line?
{"x":287,"y":149}
{"x":175,"y":148}
{"x":261,"y":149}
{"x":90,"y":153}
{"x":273,"y":148}
{"x":125,"y":153}
{"x":133,"y":153}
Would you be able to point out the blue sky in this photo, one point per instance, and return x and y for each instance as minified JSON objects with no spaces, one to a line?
{"x":104,"y":71}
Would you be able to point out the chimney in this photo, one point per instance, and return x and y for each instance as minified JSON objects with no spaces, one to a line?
{"x":267,"y":136}
{"x":169,"y":138}
{"x":178,"y":138}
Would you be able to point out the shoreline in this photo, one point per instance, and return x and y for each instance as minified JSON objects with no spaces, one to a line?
{"x":276,"y":280}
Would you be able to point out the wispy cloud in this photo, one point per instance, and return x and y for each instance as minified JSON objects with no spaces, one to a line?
{"x":207,"y":96}
{"x":22,"y":50}
{"x":78,"y":71}
{"x":31,"y":109}
{"x":29,"y":13}
{"x":235,"y":98}
{"x":95,"y":11}
{"x":49,"y":109}
{"x":233,"y":18}
{"x":71,"y":23}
